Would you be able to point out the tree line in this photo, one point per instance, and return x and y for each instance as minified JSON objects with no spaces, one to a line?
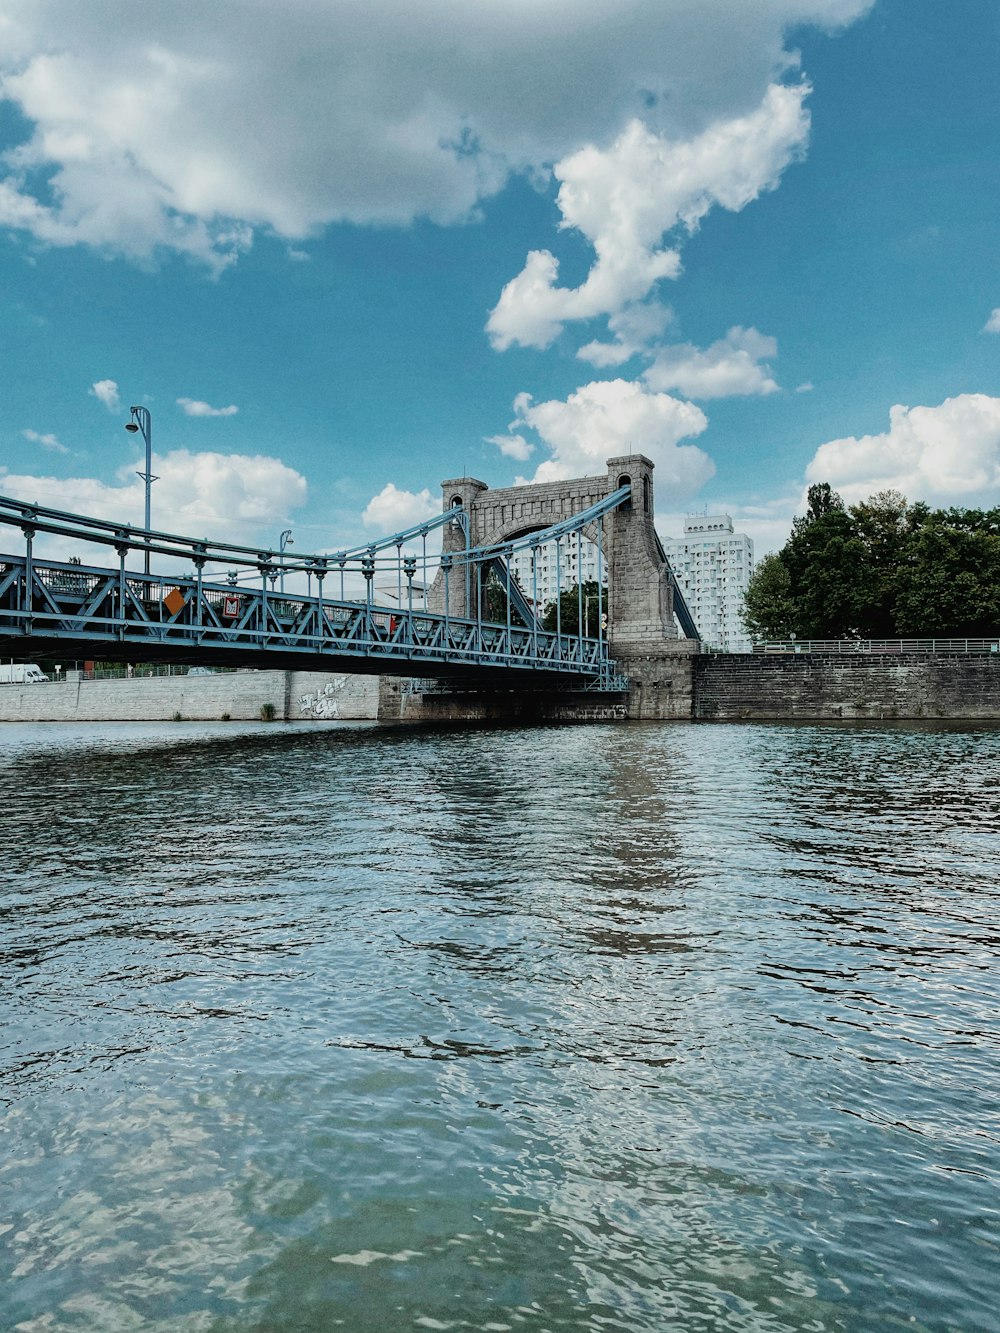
{"x":879,"y":569}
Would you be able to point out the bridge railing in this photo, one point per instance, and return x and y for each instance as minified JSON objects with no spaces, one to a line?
{"x":123,"y":613}
{"x":851,"y":647}
{"x":403,"y":558}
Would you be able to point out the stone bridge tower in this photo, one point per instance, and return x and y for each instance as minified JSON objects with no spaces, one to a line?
{"x":640,"y":601}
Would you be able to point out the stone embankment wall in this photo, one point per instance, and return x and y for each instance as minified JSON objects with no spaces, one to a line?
{"x":664,"y":685}
{"x":847,"y":685}
{"x":293,"y":695}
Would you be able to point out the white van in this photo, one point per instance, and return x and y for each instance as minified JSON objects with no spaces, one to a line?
{"x":22,"y":673}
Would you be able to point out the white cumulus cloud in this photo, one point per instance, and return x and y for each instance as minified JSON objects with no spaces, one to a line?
{"x":106,"y":392}
{"x":610,"y":417}
{"x":192,"y":407}
{"x":187,"y":127}
{"x":233,"y":497}
{"x":949,"y":454}
{"x":49,"y":441}
{"x":627,"y":198}
{"x":633,"y":329}
{"x":992,"y":325}
{"x":249,"y":490}
{"x":393,"y":510}
{"x":512,"y":446}
{"x":733,"y":365}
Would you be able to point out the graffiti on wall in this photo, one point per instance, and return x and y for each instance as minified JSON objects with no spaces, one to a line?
{"x":323,"y":703}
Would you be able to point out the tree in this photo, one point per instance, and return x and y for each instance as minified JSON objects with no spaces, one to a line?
{"x":881,"y":525}
{"x":823,"y":557}
{"x":950,"y":583}
{"x":595,"y":602}
{"x":880,"y":568}
{"x":495,"y":601}
{"x":821,"y":500}
{"x":768,"y":611}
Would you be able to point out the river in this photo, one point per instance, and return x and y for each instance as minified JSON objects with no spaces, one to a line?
{"x":594,"y":1029}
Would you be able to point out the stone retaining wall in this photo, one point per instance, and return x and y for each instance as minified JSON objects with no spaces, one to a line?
{"x":293,"y":695}
{"x":660,"y":679}
{"x":669,"y":683}
{"x":847,"y":685}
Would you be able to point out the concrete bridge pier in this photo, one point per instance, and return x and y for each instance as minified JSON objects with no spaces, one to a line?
{"x":458,"y":493}
{"x":642,"y":632}
{"x":640,"y":598}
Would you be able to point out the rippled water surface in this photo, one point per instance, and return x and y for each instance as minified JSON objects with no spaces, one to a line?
{"x":590,"y":1029}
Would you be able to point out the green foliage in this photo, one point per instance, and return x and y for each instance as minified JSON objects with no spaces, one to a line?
{"x":768,"y":612}
{"x":595,"y":603}
{"x":495,"y":602}
{"x":951,"y":579}
{"x":821,"y":501}
{"x":881,"y":527}
{"x":822,"y":557}
{"x":879,"y":569}
{"x":268,"y":712}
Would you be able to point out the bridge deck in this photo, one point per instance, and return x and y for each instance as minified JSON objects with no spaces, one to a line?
{"x":48,"y":608}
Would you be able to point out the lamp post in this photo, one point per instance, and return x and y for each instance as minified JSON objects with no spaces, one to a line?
{"x":284,"y":540}
{"x":143,"y":423}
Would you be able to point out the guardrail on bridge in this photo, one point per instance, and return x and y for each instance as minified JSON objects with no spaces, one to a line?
{"x":849,"y":646}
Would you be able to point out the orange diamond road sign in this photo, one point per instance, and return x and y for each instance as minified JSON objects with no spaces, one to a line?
{"x":174,"y":601}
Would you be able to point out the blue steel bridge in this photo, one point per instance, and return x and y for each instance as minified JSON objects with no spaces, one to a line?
{"x":139,"y":595}
{"x":78,"y":588}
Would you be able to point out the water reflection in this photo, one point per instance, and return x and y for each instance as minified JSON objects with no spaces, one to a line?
{"x":578,"y":1029}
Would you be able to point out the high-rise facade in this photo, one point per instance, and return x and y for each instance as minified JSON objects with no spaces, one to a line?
{"x":713,"y":565}
{"x":573,"y":567}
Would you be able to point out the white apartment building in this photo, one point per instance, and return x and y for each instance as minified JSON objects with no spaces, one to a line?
{"x":713,"y":565}
{"x":571,"y":569}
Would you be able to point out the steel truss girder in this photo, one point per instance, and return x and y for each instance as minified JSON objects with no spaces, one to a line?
{"x":51,"y":601}
{"x":46,"y":599}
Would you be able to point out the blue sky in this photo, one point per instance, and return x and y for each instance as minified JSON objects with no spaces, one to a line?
{"x":344,"y":252}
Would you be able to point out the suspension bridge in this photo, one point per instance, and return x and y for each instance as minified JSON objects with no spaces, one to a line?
{"x":79,"y":587}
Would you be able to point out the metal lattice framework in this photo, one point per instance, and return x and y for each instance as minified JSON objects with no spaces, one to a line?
{"x":369,"y":608}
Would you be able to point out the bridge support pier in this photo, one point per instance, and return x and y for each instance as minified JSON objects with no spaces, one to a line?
{"x":640,"y":598}
{"x":661,"y":680}
{"x":640,"y":611}
{"x":460,"y":494}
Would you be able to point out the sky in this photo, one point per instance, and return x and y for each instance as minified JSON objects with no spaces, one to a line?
{"x":343,"y":252}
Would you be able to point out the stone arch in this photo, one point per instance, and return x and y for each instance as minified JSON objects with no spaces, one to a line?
{"x":640,"y":600}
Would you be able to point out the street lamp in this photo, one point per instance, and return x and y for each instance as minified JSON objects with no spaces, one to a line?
{"x":284,"y":540}
{"x":143,"y":423}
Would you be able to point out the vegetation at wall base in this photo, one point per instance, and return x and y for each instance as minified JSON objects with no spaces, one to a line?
{"x":267,"y":712}
{"x":879,"y":569}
